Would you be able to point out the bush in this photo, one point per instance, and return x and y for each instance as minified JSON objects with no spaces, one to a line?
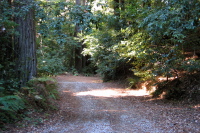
{"x":50,"y":67}
{"x":10,"y":106}
{"x":186,"y":87}
{"x":41,"y":93}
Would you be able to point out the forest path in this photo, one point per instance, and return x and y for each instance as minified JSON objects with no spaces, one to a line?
{"x":95,"y":107}
{"x":88,"y":105}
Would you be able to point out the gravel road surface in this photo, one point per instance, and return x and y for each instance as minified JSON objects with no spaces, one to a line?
{"x":88,"y":105}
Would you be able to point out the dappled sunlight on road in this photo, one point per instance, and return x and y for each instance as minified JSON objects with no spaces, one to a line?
{"x":81,"y":79}
{"x":112,"y":93}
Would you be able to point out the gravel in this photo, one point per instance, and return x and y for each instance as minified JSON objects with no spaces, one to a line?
{"x":89,"y":106}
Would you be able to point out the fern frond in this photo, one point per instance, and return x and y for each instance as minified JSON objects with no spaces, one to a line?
{"x":11,"y":103}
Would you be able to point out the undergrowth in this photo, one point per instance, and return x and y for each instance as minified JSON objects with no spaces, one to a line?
{"x":40,"y":94}
{"x":186,"y":88}
{"x":10,"y":107}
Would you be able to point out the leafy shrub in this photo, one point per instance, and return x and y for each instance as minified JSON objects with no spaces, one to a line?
{"x":41,"y":93}
{"x":50,"y":67}
{"x":103,"y":48}
{"x":168,"y":31}
{"x":10,"y":106}
{"x":133,"y":81}
{"x":186,"y":87}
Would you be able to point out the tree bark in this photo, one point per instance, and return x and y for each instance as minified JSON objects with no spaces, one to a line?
{"x":78,"y":50}
{"x":25,"y":45}
{"x":78,"y":2}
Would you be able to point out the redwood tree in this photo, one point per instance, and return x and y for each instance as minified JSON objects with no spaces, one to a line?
{"x":25,"y":42}
{"x":78,"y":50}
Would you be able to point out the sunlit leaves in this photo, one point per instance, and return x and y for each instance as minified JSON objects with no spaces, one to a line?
{"x":82,"y":17}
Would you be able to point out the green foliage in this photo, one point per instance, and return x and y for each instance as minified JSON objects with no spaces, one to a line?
{"x":89,"y":70}
{"x":8,"y":80}
{"x":81,"y":16}
{"x":56,"y":35}
{"x":167,"y":26}
{"x":54,"y":45}
{"x":41,"y":93}
{"x":103,"y":51}
{"x":133,"y":81}
{"x":11,"y":103}
{"x":50,"y":67}
{"x":10,"y":106}
{"x":158,"y":37}
{"x":152,"y":36}
{"x":108,"y":48}
{"x":183,"y":88}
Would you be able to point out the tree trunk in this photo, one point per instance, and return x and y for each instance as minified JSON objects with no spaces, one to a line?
{"x":78,"y":50}
{"x":78,"y":2}
{"x":25,"y":45}
{"x":116,"y":7}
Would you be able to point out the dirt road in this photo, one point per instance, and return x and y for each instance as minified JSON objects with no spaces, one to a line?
{"x":89,"y":106}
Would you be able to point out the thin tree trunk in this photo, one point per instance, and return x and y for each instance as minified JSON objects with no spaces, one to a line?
{"x":116,"y":7}
{"x":78,"y":50}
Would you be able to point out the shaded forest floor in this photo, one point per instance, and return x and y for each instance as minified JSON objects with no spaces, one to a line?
{"x":88,"y":105}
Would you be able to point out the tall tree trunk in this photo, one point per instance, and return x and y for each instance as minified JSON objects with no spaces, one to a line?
{"x":116,"y":7}
{"x":26,"y":44}
{"x":78,"y":50}
{"x":78,"y":2}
